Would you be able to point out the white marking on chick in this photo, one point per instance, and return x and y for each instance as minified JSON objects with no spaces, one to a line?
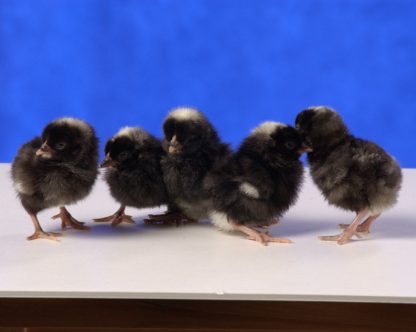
{"x":43,"y":154}
{"x":185,"y":113}
{"x":383,"y":202}
{"x":75,"y":123}
{"x":321,"y":109}
{"x":125,"y":131}
{"x":267,"y":128}
{"x":249,"y":190}
{"x":374,"y":210}
{"x":136,"y":134}
{"x":220,"y":220}
{"x":21,"y":188}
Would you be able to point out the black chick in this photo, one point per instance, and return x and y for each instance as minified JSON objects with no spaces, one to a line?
{"x":133,"y":172}
{"x":56,"y":169}
{"x":353,"y":174}
{"x":194,"y":150}
{"x":259,"y":183}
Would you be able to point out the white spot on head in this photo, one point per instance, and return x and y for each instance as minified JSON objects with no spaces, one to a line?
{"x":321,"y":109}
{"x":186,"y":114}
{"x":125,"y":131}
{"x":249,"y":190}
{"x":136,"y":134}
{"x":220,"y":220}
{"x":267,"y":128}
{"x":81,"y":125}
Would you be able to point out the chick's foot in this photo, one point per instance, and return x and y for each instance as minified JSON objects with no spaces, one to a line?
{"x":69,"y":221}
{"x":117,"y":218}
{"x":254,"y":235}
{"x":168,"y":218}
{"x":342,"y":238}
{"x":364,"y":228}
{"x":265,"y":239}
{"x":39,"y":234}
{"x":352,"y":229}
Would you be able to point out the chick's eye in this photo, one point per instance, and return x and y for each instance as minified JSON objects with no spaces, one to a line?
{"x":290,"y":145}
{"x":60,"y":146}
{"x":123,"y":155}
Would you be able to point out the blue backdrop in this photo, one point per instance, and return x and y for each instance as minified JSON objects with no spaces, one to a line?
{"x":122,"y":62}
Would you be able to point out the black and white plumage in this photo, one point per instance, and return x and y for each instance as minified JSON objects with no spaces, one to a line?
{"x":56,"y":169}
{"x":259,"y":183}
{"x":352,"y":174}
{"x":194,"y":149}
{"x":133,"y":172}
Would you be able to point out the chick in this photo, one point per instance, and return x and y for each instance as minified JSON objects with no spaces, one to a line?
{"x":133,"y":172}
{"x":56,"y":169}
{"x":194,"y":150}
{"x":259,"y":183}
{"x":353,"y":174}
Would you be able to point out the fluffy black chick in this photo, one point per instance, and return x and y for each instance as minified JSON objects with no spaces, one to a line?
{"x":259,"y":183}
{"x":56,"y":169}
{"x":352,"y":174}
{"x":133,"y":172}
{"x":194,"y":149}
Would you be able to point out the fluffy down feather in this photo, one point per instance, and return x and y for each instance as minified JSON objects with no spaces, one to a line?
{"x":260,"y":181}
{"x":194,"y":151}
{"x":56,"y":169}
{"x":352,"y":173}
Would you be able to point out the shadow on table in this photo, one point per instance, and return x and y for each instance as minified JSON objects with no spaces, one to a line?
{"x":385,"y":227}
{"x":292,"y":227}
{"x":104,"y":229}
{"x":390,"y":227}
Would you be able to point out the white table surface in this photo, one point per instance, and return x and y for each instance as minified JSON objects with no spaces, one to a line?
{"x":199,"y":262}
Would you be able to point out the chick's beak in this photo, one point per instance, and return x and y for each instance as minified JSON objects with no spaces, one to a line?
{"x":173,"y":145}
{"x":108,"y":162}
{"x":305,"y":148}
{"x":44,"y":151}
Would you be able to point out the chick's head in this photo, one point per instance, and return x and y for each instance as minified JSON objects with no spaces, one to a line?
{"x":64,"y":140}
{"x":320,"y":126}
{"x":276,"y":139}
{"x":187,"y":130}
{"x":124,"y":149}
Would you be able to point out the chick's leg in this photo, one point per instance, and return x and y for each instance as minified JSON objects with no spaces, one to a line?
{"x":266,"y":225}
{"x":254,"y":235}
{"x":117,"y":218}
{"x":349,"y":231}
{"x":68,"y":220}
{"x":364,"y":227}
{"x":39,"y":232}
{"x":168,"y":218}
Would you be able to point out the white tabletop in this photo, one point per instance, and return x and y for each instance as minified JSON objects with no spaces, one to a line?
{"x":199,"y":262}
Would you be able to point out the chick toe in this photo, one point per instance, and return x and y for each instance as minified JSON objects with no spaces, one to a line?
{"x":68,"y":221}
{"x":44,"y":235}
{"x":329,"y":237}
